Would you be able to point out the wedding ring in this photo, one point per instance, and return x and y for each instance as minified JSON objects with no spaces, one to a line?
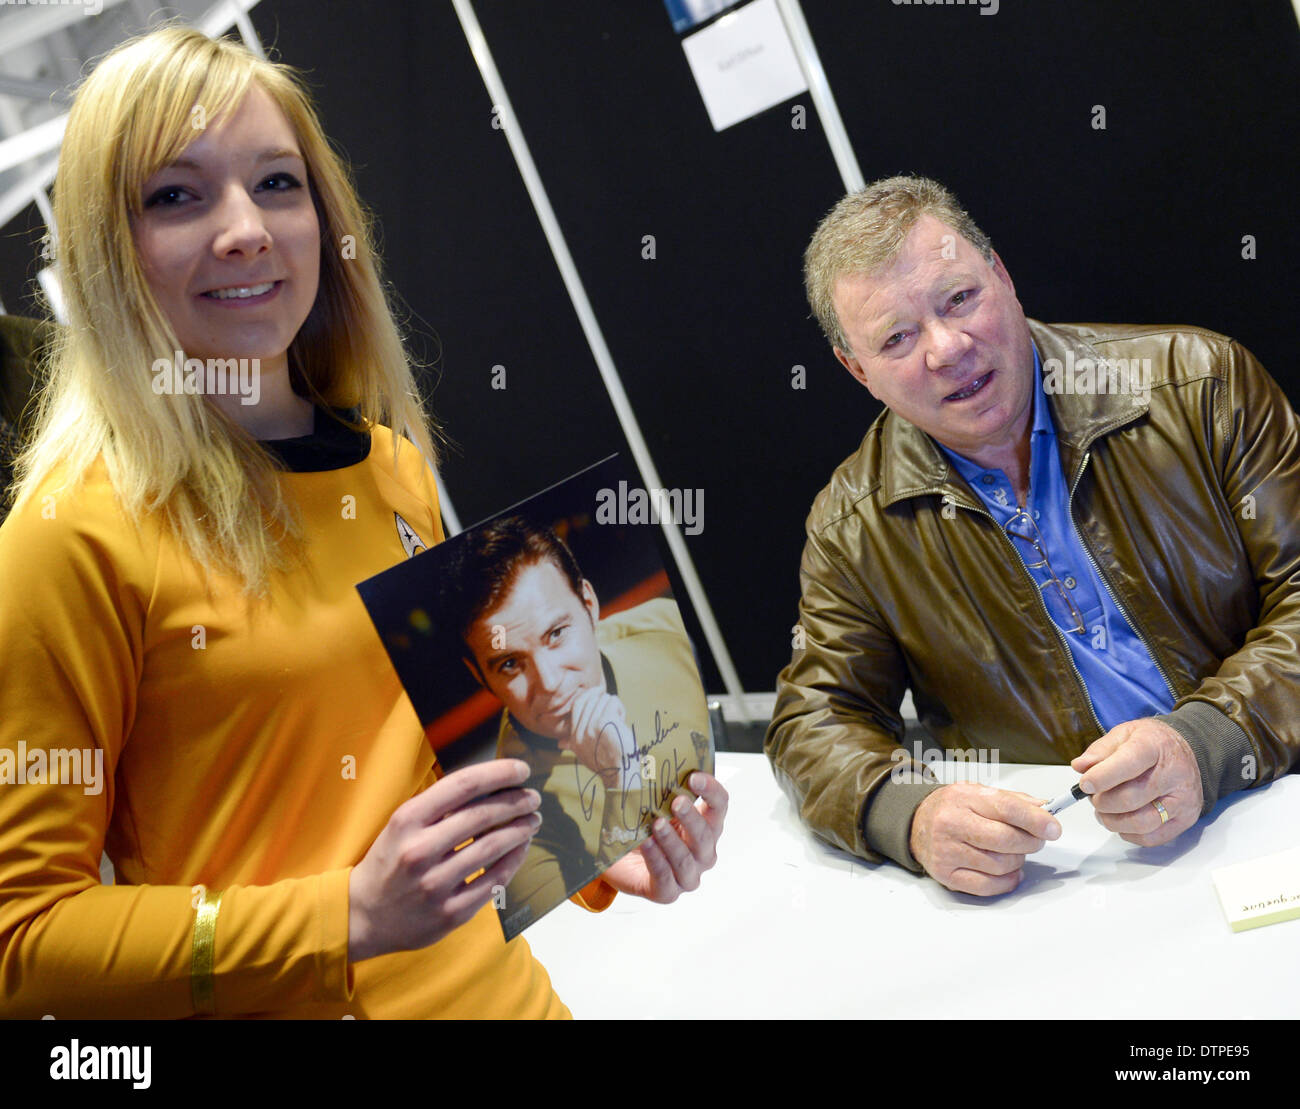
{"x":1164,"y":816}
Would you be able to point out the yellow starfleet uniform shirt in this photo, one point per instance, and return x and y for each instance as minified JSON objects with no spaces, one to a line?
{"x":250,"y":750}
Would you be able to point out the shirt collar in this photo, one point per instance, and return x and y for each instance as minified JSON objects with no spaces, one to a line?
{"x":1043,"y":424}
{"x":332,"y":445}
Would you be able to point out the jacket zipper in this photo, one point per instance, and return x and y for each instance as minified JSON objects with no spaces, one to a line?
{"x":1083,"y":542}
{"x":1043,"y":605}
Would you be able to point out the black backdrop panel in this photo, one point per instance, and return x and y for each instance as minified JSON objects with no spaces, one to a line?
{"x":471,"y":269}
{"x":705,"y":334}
{"x":20,"y":262}
{"x":1140,"y":222}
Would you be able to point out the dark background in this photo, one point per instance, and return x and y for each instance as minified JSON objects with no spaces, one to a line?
{"x":1139,"y":223}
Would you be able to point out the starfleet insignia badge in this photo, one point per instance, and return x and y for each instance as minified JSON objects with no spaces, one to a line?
{"x":412,"y":544}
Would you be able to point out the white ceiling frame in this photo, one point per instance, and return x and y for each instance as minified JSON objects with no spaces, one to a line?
{"x":28,"y":189}
{"x":22,"y":25}
{"x":35,"y":149}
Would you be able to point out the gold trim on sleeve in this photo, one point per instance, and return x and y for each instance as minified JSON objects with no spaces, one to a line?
{"x":205,"y":937}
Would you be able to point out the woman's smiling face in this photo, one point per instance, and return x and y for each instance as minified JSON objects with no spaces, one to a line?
{"x":229,"y":239}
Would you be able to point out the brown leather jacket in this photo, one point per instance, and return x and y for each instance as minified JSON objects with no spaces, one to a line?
{"x":1187,"y":500}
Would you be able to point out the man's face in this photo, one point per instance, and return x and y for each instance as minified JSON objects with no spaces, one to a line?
{"x":940,"y":338}
{"x":537,"y":651}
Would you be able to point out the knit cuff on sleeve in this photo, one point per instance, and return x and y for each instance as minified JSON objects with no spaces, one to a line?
{"x":887,"y":823}
{"x":1221,"y":746}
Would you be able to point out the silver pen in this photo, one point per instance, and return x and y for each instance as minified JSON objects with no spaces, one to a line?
{"x":1065,"y":800}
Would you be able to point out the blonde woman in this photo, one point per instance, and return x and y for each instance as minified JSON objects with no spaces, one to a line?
{"x":190,"y":680}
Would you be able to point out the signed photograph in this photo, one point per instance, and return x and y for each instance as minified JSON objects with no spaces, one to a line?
{"x":549,"y":634}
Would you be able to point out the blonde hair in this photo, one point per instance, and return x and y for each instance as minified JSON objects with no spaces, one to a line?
{"x":864,"y":232}
{"x":217,"y":489}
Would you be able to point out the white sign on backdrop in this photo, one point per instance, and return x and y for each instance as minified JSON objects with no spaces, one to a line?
{"x":744,"y":63}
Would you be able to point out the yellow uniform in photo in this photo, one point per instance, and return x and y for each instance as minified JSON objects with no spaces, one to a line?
{"x":649,"y":665}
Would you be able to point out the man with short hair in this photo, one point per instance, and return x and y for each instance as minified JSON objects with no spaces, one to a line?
{"x":609,"y":715}
{"x":1073,"y":543}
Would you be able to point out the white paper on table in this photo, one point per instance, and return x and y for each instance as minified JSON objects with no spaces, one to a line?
{"x":1260,"y":891}
{"x":744,"y":63}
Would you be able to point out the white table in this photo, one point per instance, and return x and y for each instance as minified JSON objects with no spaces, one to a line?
{"x":785,"y":926}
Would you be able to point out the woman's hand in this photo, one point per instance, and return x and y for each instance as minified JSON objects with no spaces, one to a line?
{"x":677,"y":853}
{"x":410,"y":890}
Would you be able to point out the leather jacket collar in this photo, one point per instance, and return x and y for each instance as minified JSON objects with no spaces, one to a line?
{"x":912,"y":465}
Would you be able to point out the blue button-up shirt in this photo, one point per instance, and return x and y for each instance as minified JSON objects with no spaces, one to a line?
{"x":1120,"y":676}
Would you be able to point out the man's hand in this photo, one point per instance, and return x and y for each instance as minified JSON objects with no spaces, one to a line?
{"x":974,"y":839}
{"x":1134,"y":765}
{"x":599,"y":736}
{"x":671,"y":861}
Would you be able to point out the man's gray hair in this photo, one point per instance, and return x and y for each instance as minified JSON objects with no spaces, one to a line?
{"x":864,"y":232}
